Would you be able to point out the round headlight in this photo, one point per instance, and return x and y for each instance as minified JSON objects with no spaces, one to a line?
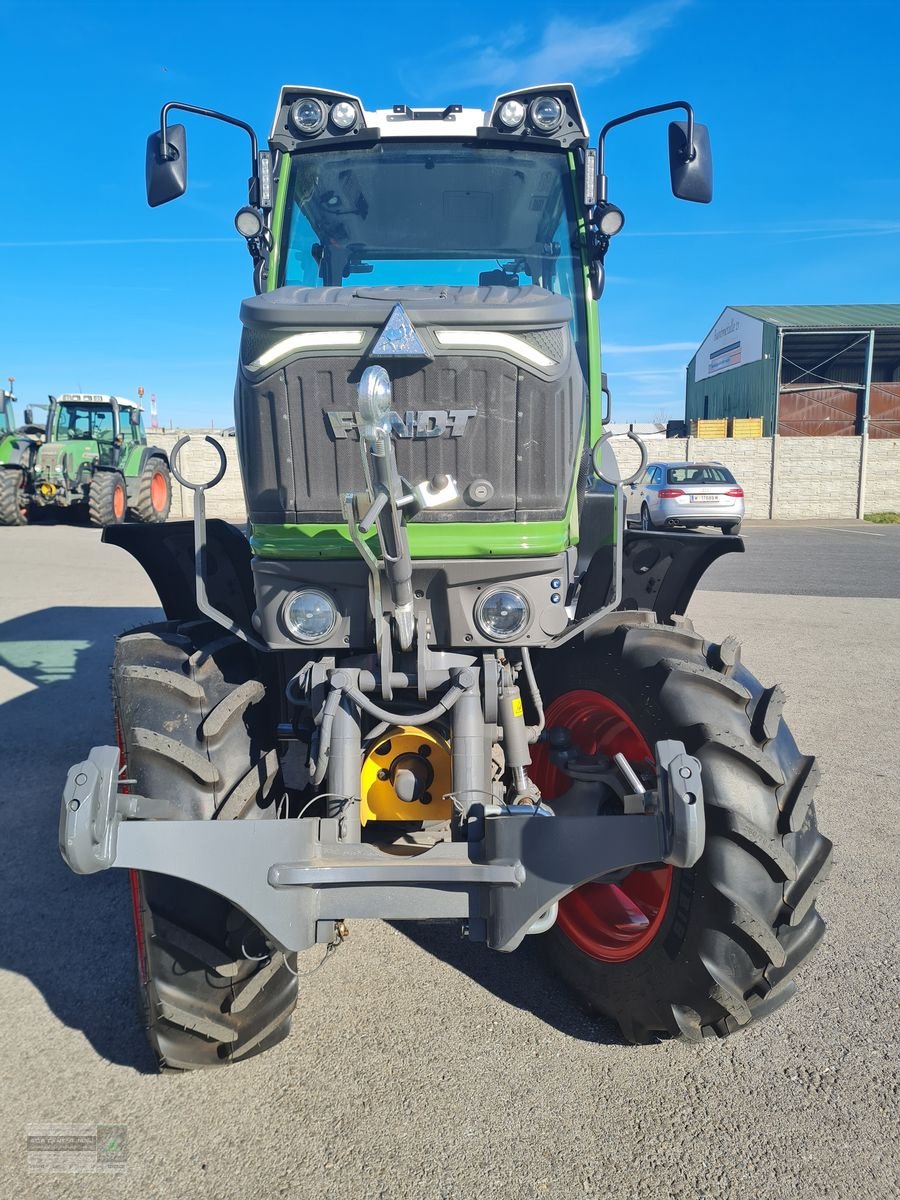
{"x":512,"y":114}
{"x":343,"y":115}
{"x":546,"y":113}
{"x":502,"y":614}
{"x":609,"y":219}
{"x":248,"y":222}
{"x":310,"y":615}
{"x":308,"y":116}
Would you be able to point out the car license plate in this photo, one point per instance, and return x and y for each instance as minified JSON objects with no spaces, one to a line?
{"x":704,"y":499}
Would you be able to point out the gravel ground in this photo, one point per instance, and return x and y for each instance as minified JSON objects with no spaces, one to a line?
{"x":421,"y":1066}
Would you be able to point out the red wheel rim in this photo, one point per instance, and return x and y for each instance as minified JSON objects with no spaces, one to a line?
{"x":119,"y":501}
{"x":612,"y":922}
{"x":158,"y":491}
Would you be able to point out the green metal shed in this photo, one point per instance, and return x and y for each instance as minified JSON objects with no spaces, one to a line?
{"x":806,"y":369}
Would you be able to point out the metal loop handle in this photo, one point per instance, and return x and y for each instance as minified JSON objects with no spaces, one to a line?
{"x":197,"y":487}
{"x":595,"y":456}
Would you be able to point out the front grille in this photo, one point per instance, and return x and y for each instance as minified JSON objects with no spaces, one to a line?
{"x":524,"y":439}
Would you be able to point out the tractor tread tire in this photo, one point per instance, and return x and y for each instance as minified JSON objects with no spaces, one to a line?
{"x":143,"y":509}
{"x":101,"y":498}
{"x":742,"y":921}
{"x":213,"y":991}
{"x":12,"y":484}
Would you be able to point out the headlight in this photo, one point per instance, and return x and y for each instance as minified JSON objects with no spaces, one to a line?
{"x":343,"y":115}
{"x":308,"y":116}
{"x":546,"y":113}
{"x":248,"y":222}
{"x":512,"y":114}
{"x":310,"y":615}
{"x":502,"y":614}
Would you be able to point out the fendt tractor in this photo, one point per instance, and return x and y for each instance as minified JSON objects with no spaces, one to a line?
{"x":438,"y":680}
{"x":93,"y":454}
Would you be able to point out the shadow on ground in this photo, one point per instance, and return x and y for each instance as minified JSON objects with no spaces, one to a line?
{"x":521,"y":979}
{"x":70,"y":935}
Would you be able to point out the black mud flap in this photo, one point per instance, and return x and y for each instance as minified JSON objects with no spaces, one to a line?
{"x":659,"y":571}
{"x":166,"y":552}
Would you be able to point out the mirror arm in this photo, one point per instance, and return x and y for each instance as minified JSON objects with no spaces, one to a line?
{"x":216,"y":116}
{"x":633,"y":116}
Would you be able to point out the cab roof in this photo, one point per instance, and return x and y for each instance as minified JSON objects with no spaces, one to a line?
{"x":96,"y":398}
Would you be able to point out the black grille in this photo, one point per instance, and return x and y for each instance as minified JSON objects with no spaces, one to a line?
{"x":524,"y":438}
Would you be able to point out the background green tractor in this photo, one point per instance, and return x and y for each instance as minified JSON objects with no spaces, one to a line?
{"x":92,"y":453}
{"x":440,"y":680}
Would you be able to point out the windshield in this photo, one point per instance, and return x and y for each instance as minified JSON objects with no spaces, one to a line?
{"x":699,"y":474}
{"x":432,"y":213}
{"x":80,"y":422}
{"x":5,"y":423}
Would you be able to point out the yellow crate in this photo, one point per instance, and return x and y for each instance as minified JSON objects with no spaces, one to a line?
{"x":710,"y":428}
{"x":745,"y":427}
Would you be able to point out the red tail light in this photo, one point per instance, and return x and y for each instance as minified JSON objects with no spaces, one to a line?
{"x":670,"y":493}
{"x":735,"y":492}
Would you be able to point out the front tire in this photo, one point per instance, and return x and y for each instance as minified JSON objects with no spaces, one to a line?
{"x":194,"y":728}
{"x":154,"y":493}
{"x":13,"y":499}
{"x":107,"y":499}
{"x":728,"y":935}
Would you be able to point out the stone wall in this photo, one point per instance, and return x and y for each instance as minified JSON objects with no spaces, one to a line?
{"x":198,"y":461}
{"x":883,"y":476}
{"x":812,"y":477}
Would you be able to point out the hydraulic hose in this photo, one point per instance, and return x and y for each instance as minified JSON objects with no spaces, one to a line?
{"x":534,"y":731}
{"x":341,"y":688}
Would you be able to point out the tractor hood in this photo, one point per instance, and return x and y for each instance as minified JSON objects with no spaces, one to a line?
{"x":487,"y":388}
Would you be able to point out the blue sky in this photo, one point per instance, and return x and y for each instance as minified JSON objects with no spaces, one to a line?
{"x":101,"y":293}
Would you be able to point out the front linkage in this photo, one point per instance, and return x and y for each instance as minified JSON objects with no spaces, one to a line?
{"x":297,"y":878}
{"x":507,"y":865}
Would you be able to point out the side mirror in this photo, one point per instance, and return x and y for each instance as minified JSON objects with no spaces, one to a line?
{"x":691,"y":177}
{"x":29,"y":416}
{"x":134,"y":417}
{"x":166,"y":176}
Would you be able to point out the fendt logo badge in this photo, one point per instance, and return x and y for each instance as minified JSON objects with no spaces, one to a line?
{"x":421,"y":423}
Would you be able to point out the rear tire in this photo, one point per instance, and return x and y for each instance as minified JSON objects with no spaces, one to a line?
{"x":739,"y":924}
{"x":195,"y":728}
{"x":107,"y":499}
{"x":13,"y":499}
{"x":733,"y":529}
{"x":154,"y":493}
{"x":646,"y":522}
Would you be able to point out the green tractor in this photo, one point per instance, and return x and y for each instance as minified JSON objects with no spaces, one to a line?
{"x":439,"y":679}
{"x":91,"y":454}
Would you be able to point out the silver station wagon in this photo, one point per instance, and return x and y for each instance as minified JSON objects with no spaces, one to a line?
{"x":687,"y":495}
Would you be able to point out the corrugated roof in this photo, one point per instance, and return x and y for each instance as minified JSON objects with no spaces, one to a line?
{"x":823,"y":316}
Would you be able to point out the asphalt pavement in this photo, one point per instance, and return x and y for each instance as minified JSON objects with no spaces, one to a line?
{"x":421,"y":1067}
{"x":826,"y":558}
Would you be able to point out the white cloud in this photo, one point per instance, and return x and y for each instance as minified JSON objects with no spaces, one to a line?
{"x":565,"y":50}
{"x":813,"y":230}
